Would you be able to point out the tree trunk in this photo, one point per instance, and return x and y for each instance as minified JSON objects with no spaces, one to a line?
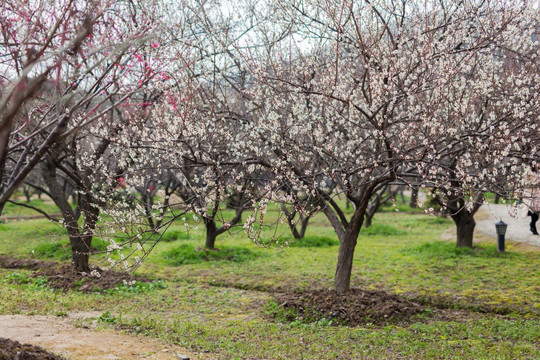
{"x":211,"y":233}
{"x":369,"y":220}
{"x":26,"y":193}
{"x":80,"y":244}
{"x":347,"y":244}
{"x":465,"y":224}
{"x":303,"y":226}
{"x":80,"y":251}
{"x":414,"y":198}
{"x":342,"y":279}
{"x":293,"y":225}
{"x":80,"y":239}
{"x":304,"y":223}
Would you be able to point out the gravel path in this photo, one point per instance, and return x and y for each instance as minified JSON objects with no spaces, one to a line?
{"x":518,"y":226}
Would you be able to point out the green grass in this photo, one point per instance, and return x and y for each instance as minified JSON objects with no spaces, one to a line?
{"x":314,"y":241}
{"x":188,"y":254}
{"x":52,"y":250}
{"x":220,"y":301}
{"x":377,"y":229}
{"x":174,"y":235}
{"x":26,"y":282}
{"x":138,"y":287}
{"x":11,"y":210}
{"x":19,"y":238}
{"x":445,"y":250}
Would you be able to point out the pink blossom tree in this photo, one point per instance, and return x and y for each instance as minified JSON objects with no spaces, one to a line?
{"x":62,"y":68}
{"x":69,"y":65}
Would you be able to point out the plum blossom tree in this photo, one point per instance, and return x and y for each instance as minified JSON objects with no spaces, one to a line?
{"x":302,"y":101}
{"x":79,"y":161}
{"x":188,"y":150}
{"x":184,"y":141}
{"x":482,"y":127}
{"x":341,"y":99}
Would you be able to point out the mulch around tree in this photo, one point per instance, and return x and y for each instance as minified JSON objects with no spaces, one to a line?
{"x":64,"y":277}
{"x":357,"y":307}
{"x":14,"y":350}
{"x":29,"y":264}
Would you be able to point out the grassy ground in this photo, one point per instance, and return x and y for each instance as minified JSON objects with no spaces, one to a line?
{"x":217,"y":302}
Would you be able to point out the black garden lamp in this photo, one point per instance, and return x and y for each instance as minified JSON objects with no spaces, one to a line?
{"x":500,"y":227}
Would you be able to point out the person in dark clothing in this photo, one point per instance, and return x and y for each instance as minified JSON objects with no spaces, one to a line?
{"x":532,"y":199}
{"x":534,"y":219}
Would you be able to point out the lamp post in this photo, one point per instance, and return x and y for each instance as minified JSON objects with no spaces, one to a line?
{"x":500,"y":227}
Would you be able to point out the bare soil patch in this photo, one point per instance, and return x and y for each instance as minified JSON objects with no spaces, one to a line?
{"x":61,"y":336}
{"x":357,"y":307}
{"x":64,"y":277}
{"x":14,"y":350}
{"x":29,"y":264}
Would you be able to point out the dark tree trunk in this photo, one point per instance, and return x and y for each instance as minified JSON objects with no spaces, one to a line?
{"x":80,"y":251}
{"x":372,"y":208}
{"x":80,"y":245}
{"x":211,"y":233}
{"x":148,"y":201}
{"x":413,"y":203}
{"x":303,"y":226}
{"x":369,"y":219}
{"x":80,"y":239}
{"x":91,"y":214}
{"x":342,"y":279}
{"x":465,"y":225}
{"x":497,"y":198}
{"x":27,"y":193}
{"x":380,"y":197}
{"x":303,"y":220}
{"x":348,"y":236}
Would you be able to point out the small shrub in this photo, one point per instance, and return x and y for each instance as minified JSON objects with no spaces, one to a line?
{"x":314,"y":241}
{"x":188,"y":254}
{"x":108,"y":318}
{"x":174,"y":235}
{"x":381,"y":229}
{"x":437,"y":220}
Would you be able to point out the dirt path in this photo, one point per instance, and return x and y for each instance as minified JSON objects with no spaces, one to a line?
{"x":61,"y":336}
